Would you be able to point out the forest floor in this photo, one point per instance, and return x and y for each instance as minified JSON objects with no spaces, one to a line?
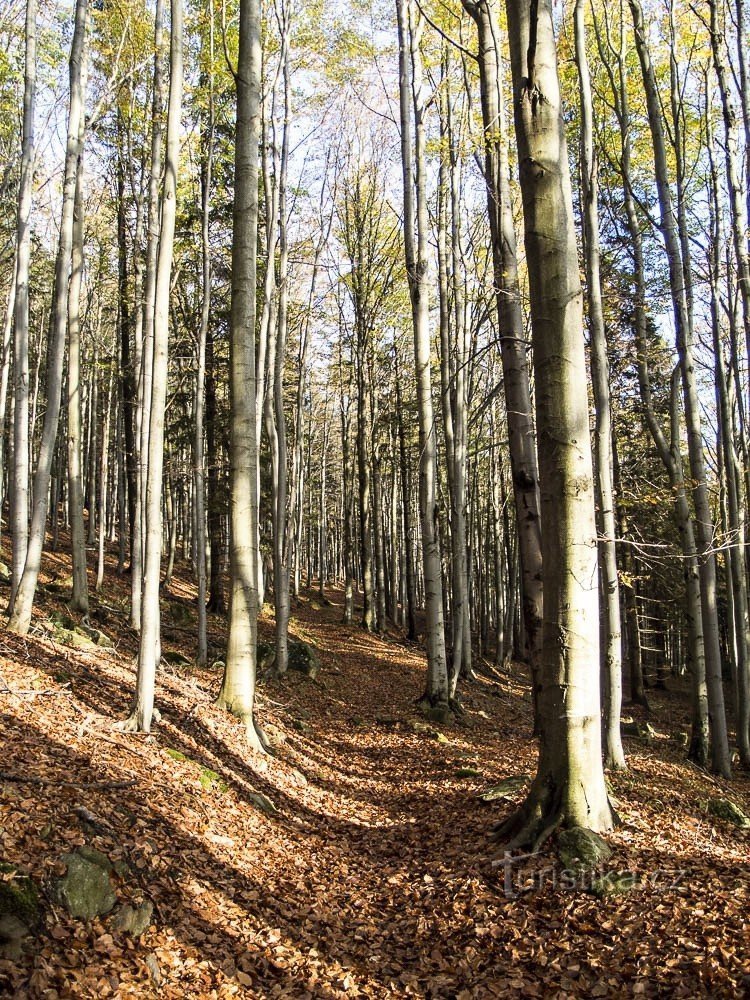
{"x":374,"y":875}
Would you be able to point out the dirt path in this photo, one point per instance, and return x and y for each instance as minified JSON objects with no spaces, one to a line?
{"x":373,"y":875}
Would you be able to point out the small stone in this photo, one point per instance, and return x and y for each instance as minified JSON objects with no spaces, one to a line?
{"x":263,"y":803}
{"x":153,"y":969}
{"x":582,"y":848}
{"x":134,"y":920}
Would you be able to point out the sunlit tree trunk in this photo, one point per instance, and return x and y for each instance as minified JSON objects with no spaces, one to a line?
{"x":79,"y":600}
{"x":612,"y":653}
{"x":237,"y":693}
{"x":569,"y":786}
{"x":675,"y":245}
{"x":149,"y":650}
{"x":20,"y":618}
{"x":20,"y":492}
{"x":412,"y":92}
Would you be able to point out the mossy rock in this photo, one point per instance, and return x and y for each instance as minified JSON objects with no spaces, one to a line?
{"x":62,"y":585}
{"x":265,"y":656}
{"x":4,"y":573}
{"x":304,"y":659}
{"x":506,"y":789}
{"x":680,"y":737}
{"x":74,"y":638}
{"x":614,"y":884}
{"x":175,"y":754}
{"x":134,"y":920}
{"x":86,"y":889}
{"x":212,"y":780}
{"x":729,"y":811}
{"x":301,"y":726}
{"x":18,"y":896}
{"x":582,"y":848}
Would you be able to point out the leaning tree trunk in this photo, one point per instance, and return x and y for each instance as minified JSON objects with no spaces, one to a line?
{"x":20,"y":619}
{"x":149,"y":650}
{"x":569,"y":787}
{"x":237,"y":693}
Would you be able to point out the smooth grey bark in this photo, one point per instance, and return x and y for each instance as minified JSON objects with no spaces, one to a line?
{"x":614,"y":756}
{"x":667,"y":445}
{"x":411,"y":92}
{"x":738,"y":206}
{"x":20,"y":618}
{"x":149,"y":650}
{"x":104,"y":474}
{"x":20,"y":491}
{"x":79,"y":599}
{"x":141,"y":431}
{"x":274,"y":399}
{"x":735,"y":552}
{"x":237,"y":693}
{"x":519,"y":415}
{"x":569,"y":786}
{"x":676,"y":245}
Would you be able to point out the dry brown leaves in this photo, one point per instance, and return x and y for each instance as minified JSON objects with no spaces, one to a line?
{"x":374,"y":879}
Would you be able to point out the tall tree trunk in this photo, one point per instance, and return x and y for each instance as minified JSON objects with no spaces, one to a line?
{"x":237,"y":693}
{"x":21,"y":444}
{"x":200,"y":387}
{"x":137,"y":421}
{"x":411,"y":91}
{"x":614,"y":755}
{"x":569,"y":786}
{"x":80,"y":599}
{"x":521,"y":438}
{"x":149,"y":650}
{"x":20,"y":618}
{"x":675,"y":245}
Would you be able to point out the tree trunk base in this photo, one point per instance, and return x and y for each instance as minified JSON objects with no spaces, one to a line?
{"x":537,"y":818}
{"x":255,"y":735}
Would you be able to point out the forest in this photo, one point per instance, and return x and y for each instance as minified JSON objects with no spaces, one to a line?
{"x":374,"y":476}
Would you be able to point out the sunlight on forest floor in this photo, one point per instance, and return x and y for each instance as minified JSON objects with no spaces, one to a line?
{"x":355,"y":862}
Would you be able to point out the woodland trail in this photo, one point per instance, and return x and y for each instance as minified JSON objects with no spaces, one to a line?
{"x":370,"y":874}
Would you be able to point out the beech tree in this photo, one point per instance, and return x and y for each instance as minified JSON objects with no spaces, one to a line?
{"x":569,"y":785}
